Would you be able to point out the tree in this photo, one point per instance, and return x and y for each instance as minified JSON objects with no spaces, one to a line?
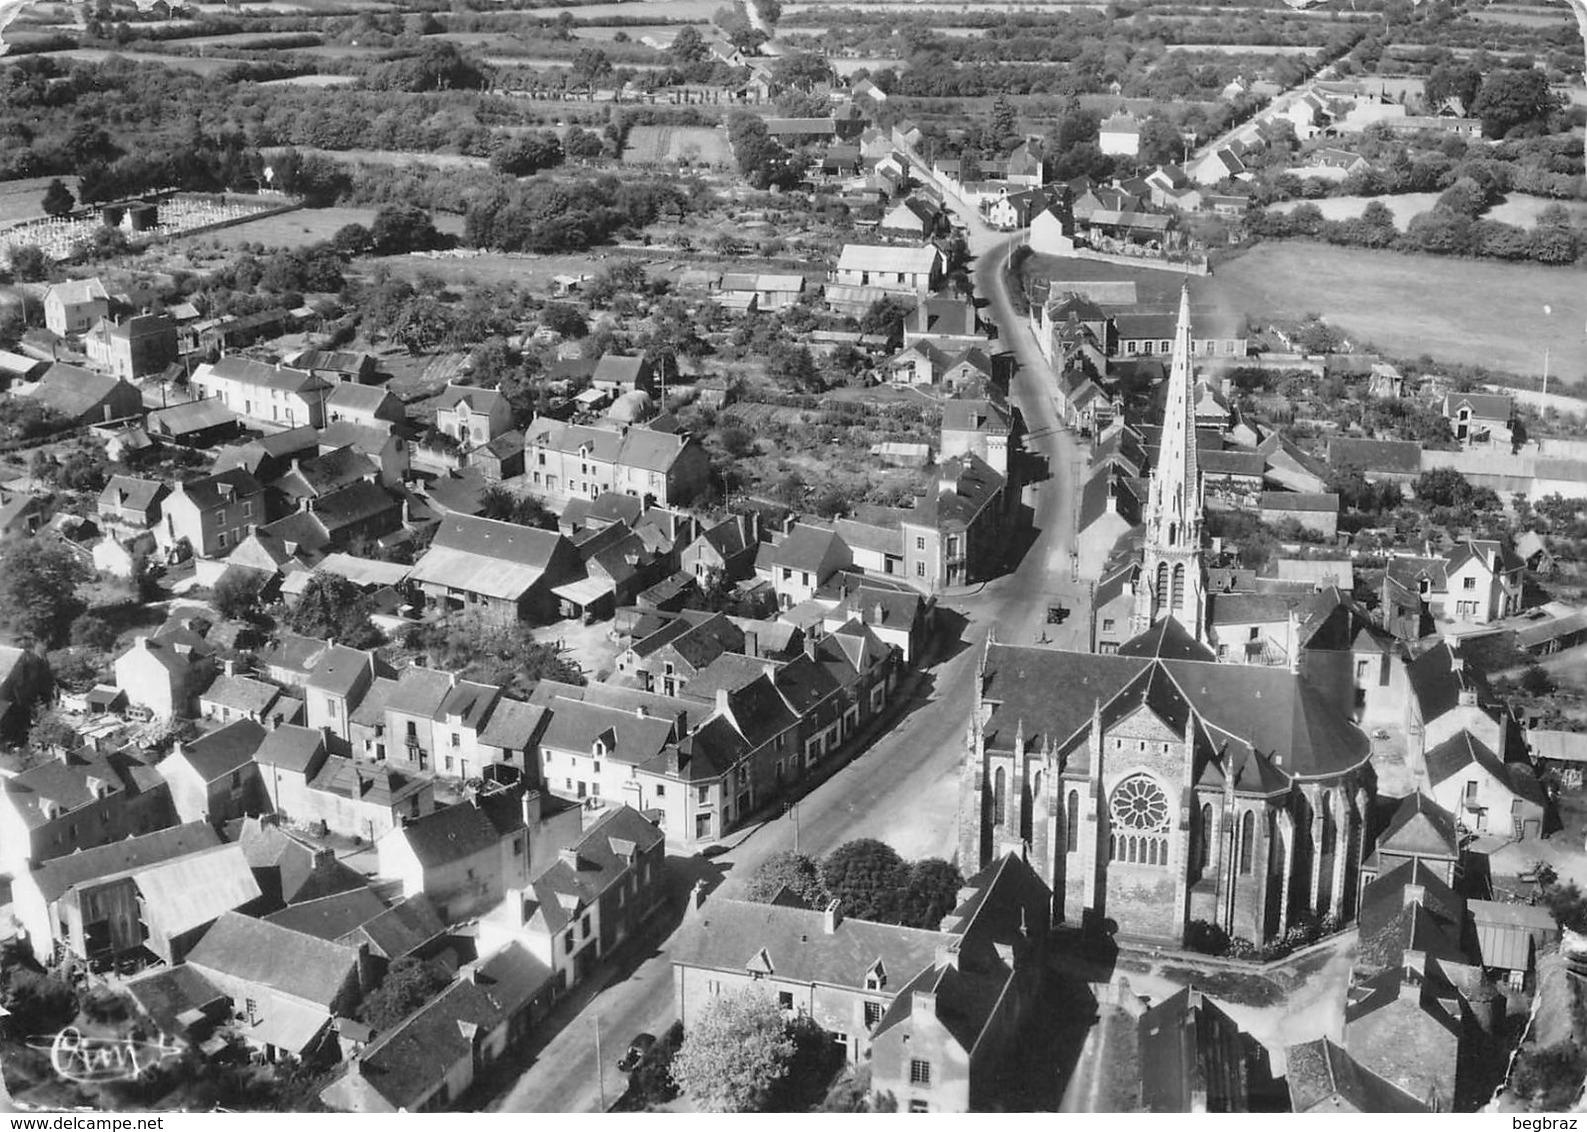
{"x":1161,"y":143}
{"x":29,"y":264}
{"x":1513,"y":101}
{"x":735,"y":1054}
{"x":796,"y":872}
{"x":38,"y":589}
{"x":522,"y":154}
{"x":1443,"y":487}
{"x":331,"y":607}
{"x":1567,"y":904}
{"x":1005,"y":119}
{"x":237,"y":594}
{"x":58,"y":199}
{"x":401,"y":228}
{"x":1550,"y":1077}
{"x":564,"y":319}
{"x":885,"y":316}
{"x":51,"y":730}
{"x":496,"y":502}
{"x":802,"y":70}
{"x":1452,"y":80}
{"x":408,"y":985}
{"x":590,"y":65}
{"x":930,"y":894}
{"x":91,"y":631}
{"x":688,"y":46}
{"x":794,"y":367}
{"x":867,"y":878}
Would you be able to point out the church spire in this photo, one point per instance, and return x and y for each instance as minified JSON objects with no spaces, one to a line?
{"x":1171,"y":581}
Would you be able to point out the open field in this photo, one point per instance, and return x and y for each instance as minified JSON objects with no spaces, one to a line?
{"x":662,"y":11}
{"x":534,"y":272}
{"x":314,"y":80}
{"x":1455,"y":310}
{"x":1521,"y":17}
{"x":199,"y":66}
{"x":1518,"y":208}
{"x":395,"y":157}
{"x":1244,"y":48}
{"x":304,"y":226}
{"x":21,"y":200}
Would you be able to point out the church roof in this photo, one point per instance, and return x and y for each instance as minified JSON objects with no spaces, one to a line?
{"x":1421,"y":827}
{"x":1244,"y":710}
{"x":1167,"y":639}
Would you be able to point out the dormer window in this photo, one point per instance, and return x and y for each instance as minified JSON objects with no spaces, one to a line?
{"x":600,"y":748}
{"x":876,"y":977}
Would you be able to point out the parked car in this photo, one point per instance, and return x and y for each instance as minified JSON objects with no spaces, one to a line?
{"x":637,"y":1049}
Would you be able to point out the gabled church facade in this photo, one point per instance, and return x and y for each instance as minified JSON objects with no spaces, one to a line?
{"x":1155,"y":786}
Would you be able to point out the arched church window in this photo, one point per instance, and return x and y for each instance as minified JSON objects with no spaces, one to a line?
{"x":1247,"y":842}
{"x":1173,"y":534}
{"x":1179,"y":585}
{"x":1072,"y":822}
{"x":1205,"y":845}
{"x":999,"y":796}
{"x":1162,"y":584}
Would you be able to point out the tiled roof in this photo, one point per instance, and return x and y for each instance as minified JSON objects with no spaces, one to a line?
{"x":450,"y":834}
{"x":1322,"y":1077}
{"x":290,"y":748}
{"x":292,"y":962}
{"x":224,"y":750}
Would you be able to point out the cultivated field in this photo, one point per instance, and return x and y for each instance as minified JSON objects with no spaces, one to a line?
{"x":314,"y":81}
{"x":395,"y":157}
{"x":1517,"y":208}
{"x":662,"y":11}
{"x":178,"y":62}
{"x":670,"y":145}
{"x":1455,"y":310}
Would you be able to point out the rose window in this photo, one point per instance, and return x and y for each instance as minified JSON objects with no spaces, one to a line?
{"x":1139,"y":804}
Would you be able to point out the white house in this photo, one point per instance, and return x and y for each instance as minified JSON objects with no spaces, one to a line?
{"x":1121,"y":135}
{"x":73,"y":307}
{"x":890,"y":268}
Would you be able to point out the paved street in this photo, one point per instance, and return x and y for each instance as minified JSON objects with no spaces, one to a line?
{"x":904,"y":789}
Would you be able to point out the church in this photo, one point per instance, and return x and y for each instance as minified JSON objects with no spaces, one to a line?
{"x":1154,"y":786}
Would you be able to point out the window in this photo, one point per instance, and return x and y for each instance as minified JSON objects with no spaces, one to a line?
{"x":1247,"y":842}
{"x":661,"y":791}
{"x":1471,"y":790}
{"x":457,"y":740}
{"x":567,"y":943}
{"x":517,"y":847}
{"x":449,"y":764}
{"x":873,"y":1014}
{"x":920,"y":569}
{"x":918,"y":1105}
{"x":413,"y":731}
{"x":1107,"y":624}
{"x":222,"y":542}
{"x":1468,"y":583}
{"x":247,"y":509}
{"x":785,"y":1000}
{"x":705,"y":795}
{"x":597,"y":769}
{"x":584,"y":927}
{"x":330,"y":706}
{"x":1072,"y":822}
{"x":920,"y":1072}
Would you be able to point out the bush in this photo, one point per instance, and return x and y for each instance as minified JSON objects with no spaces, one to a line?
{"x":39,"y":1003}
{"x":1207,"y":938}
{"x":1550,"y":1077}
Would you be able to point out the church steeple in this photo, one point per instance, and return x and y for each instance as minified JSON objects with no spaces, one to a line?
{"x":1172,"y":581}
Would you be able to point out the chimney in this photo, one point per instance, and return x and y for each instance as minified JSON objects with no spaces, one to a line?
{"x":878,"y":614}
{"x":641,"y":711}
{"x":1413,"y":965}
{"x":697,"y":895}
{"x":810,"y":646}
{"x":832,"y":917}
{"x":533,"y":807}
{"x":947,"y":481}
{"x":569,"y":856}
{"x":230,"y":667}
{"x":721,"y":701}
{"x":751,"y":644}
{"x":405,"y":516}
{"x":948,"y":954}
{"x":1413,"y":894}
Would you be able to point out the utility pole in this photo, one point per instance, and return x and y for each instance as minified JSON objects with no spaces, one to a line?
{"x":600,"y":1065}
{"x":1545,"y":370}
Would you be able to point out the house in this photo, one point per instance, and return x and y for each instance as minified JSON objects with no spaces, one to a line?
{"x":472,"y":416}
{"x":667,"y":659}
{"x":1446,"y":699}
{"x":1194,"y":1057}
{"x":161,"y":676}
{"x":132,"y":348}
{"x":503,"y":571}
{"x":800,"y":562}
{"x":85,"y":904}
{"x":84,"y":397}
{"x":726,"y":551}
{"x":947,"y":321}
{"x":1510,"y":937}
{"x":212,"y":514}
{"x":1478,"y":418}
{"x":335,"y":687}
{"x":214,"y":778}
{"x":1414,"y":591}
{"x":1323,"y":1077}
{"x":1015,"y":208}
{"x":1484,"y":581}
{"x":78,"y":800}
{"x":767,"y":292}
{"x":179,"y":899}
{"x":22,"y":514}
{"x":286,"y":987}
{"x":1217,"y":166}
{"x":1120,"y":135}
{"x":933,"y":1012}
{"x":913,"y":216}
{"x":430,"y":1060}
{"x":291,"y":660}
{"x":465,"y":857}
{"x":413,"y":705}
{"x":897,"y":269}
{"x":1420,"y":832}
{"x":345,"y":367}
{"x":274,"y":397}
{"x":566,"y":461}
{"x":74,"y":306}
{"x":1143,"y":333}
{"x":1052,"y":230}
{"x":232,"y":696}
{"x":337,"y":520}
{"x":1486,"y":794}
{"x":288,"y":869}
{"x":953,"y":536}
{"x":361,"y":800}
{"x":620,"y":373}
{"x":368,"y":405}
{"x":1317,"y":512}
{"x":980,"y":426}
{"x":596,"y":893}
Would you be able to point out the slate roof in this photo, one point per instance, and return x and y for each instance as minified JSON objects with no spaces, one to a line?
{"x":339,"y":669}
{"x":241,"y":693}
{"x":400,"y":930}
{"x":604,"y":853}
{"x":888,"y":259}
{"x":629,"y":738}
{"x":1420,"y":826}
{"x":73,"y":391}
{"x":1188,"y":1044}
{"x":1437,"y":683}
{"x":69,"y":782}
{"x":1268,"y":711}
{"x":1399,"y":456}
{"x":1463,"y":749}
{"x":261,"y":375}
{"x":187,"y":892}
{"x":1390,"y":924}
{"x":453,"y":833}
{"x":512,"y":725}
{"x":54,"y":877}
{"x":374,"y":784}
{"x":292,"y":962}
{"x":486,"y":556}
{"x":224,"y":750}
{"x":1322,"y":1077}
{"x":299,"y":654}
{"x":221,"y":488}
{"x":331,"y":917}
{"x":166,"y":994}
{"x":290,"y":748}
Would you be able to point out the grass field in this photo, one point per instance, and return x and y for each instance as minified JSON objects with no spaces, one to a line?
{"x":667,"y":145}
{"x":1454,"y":310}
{"x":22,"y":200}
{"x":1517,"y":208}
{"x":198,"y":66}
{"x":304,"y":226}
{"x":397,"y":157}
{"x":314,"y":80}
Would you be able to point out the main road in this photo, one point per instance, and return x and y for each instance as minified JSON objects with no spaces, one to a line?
{"x":904,"y":788}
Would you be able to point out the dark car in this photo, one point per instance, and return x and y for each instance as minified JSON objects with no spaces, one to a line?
{"x":637,"y":1049}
